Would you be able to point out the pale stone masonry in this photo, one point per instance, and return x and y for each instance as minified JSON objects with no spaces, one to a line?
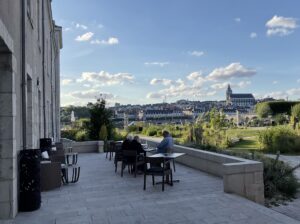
{"x":240,"y":176}
{"x":102,"y":196}
{"x":30,"y":44}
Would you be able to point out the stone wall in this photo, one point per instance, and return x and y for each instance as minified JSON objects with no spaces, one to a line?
{"x":240,"y":176}
{"x":29,"y":92}
{"x":87,"y":147}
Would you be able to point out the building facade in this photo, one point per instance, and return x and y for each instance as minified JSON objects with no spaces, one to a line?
{"x":30,"y":44}
{"x":239,"y":99}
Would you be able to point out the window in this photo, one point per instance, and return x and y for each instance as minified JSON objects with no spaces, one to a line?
{"x":38,"y":18}
{"x":29,"y":8}
{"x":29,"y":11}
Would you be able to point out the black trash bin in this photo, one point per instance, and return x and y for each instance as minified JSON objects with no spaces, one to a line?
{"x":30,"y":186}
{"x":45,"y":144}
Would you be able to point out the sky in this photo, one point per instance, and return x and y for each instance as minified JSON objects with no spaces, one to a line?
{"x":142,"y":51}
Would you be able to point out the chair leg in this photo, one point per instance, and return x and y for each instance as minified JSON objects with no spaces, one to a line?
{"x":135,"y":168}
{"x":153,"y":181}
{"x":174,"y":165}
{"x":163,"y":182}
{"x":106,"y":155}
{"x":116,"y":166}
{"x":171,"y":179}
{"x":122,"y":168}
{"x":144,"y":181}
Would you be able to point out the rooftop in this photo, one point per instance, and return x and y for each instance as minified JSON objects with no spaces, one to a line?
{"x":102,"y":196}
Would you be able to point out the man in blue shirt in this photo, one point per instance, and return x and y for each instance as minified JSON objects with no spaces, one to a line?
{"x":166,"y":144}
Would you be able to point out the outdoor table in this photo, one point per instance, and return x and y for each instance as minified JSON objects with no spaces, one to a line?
{"x":75,"y":172}
{"x":71,"y":158}
{"x":167,"y":156}
{"x":148,"y":150}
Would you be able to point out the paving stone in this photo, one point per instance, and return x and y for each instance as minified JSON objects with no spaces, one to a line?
{"x":102,"y":197}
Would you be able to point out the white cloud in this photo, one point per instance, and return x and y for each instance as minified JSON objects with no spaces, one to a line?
{"x":81,"y":26}
{"x":85,"y":37}
{"x":253,"y":35}
{"x":275,"y":82}
{"x":155,"y":95}
{"x":234,"y":70}
{"x":281,"y":26}
{"x":293,"y":92}
{"x":104,"y":78}
{"x":197,"y":78}
{"x":223,"y":85}
{"x":279,"y":32}
{"x":243,"y":84}
{"x":181,"y":88}
{"x":298,"y":80}
{"x":196,"y":53}
{"x":161,"y":64}
{"x":109,"y":41}
{"x":194,"y":76}
{"x":165,"y":82}
{"x":219,"y":86}
{"x":91,"y":94}
{"x":238,"y":20}
{"x":66,"y":82}
{"x":276,"y":95}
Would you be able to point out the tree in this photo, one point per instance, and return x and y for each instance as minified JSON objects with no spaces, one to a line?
{"x":100,"y":116}
{"x":295,"y":115}
{"x":103,"y":133}
{"x":216,"y":119}
{"x":263,"y":110}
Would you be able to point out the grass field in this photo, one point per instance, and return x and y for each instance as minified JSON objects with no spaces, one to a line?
{"x":248,"y":139}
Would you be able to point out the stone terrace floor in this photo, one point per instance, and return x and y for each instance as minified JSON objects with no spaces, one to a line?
{"x":101,"y":196}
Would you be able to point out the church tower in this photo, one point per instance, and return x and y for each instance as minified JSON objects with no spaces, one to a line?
{"x":228,"y":93}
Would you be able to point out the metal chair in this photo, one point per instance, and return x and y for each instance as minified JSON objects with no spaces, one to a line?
{"x":158,"y":167}
{"x":132,"y":160}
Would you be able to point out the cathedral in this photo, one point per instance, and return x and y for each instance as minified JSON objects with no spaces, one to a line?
{"x":239,"y":99}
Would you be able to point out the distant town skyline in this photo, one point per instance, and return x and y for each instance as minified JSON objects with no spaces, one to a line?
{"x":142,"y":52}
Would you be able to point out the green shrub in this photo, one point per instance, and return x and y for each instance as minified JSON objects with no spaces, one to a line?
{"x":152,"y":131}
{"x":279,"y":179}
{"x":69,"y":134}
{"x":82,"y":136}
{"x":282,"y":139}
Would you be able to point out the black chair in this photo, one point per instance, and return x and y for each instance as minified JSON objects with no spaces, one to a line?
{"x":132,"y":160}
{"x":118,"y":157}
{"x":157,"y":167}
{"x":111,"y":145}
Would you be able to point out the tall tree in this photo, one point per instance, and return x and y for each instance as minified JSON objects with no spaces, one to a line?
{"x":100,"y":116}
{"x":263,"y":110}
{"x":295,"y":115}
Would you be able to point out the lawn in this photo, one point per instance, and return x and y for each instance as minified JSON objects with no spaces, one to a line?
{"x":248,"y":139}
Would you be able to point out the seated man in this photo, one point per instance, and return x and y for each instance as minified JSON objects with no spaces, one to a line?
{"x":166,"y":144}
{"x":126,"y":145}
{"x":136,"y":145}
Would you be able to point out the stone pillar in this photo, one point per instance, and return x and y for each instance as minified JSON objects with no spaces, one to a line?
{"x":8,"y":161}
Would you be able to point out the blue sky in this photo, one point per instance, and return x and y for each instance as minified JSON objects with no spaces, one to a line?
{"x":141,"y":51}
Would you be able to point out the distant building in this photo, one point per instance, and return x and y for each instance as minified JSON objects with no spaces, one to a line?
{"x":239,"y":99}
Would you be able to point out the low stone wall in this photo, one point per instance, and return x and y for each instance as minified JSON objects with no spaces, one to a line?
{"x":240,"y":176}
{"x":85,"y":147}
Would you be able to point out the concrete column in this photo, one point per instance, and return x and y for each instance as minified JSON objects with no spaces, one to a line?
{"x":8,"y":161}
